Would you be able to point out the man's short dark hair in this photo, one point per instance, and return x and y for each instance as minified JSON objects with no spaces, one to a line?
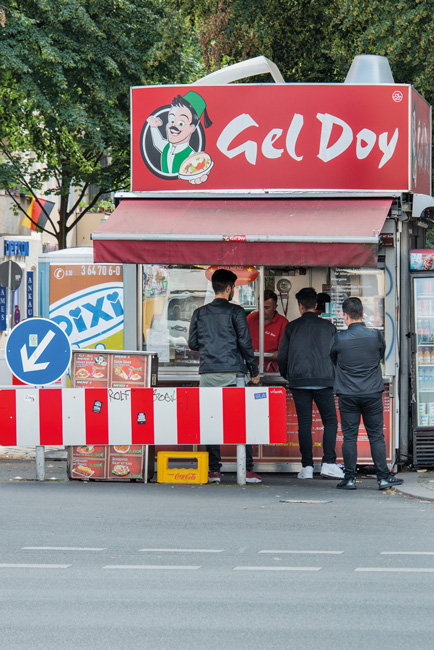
{"x":221,"y":279}
{"x":321,"y":300}
{"x":353,"y":307}
{"x":307,"y":297}
{"x":270,"y":295}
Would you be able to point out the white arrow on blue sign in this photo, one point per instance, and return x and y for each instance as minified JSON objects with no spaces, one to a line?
{"x":38,"y":351}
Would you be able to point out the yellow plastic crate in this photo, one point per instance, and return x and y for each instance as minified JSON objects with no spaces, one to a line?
{"x":166,"y":474}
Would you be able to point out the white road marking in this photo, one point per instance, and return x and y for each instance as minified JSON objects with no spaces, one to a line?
{"x":180,"y":550}
{"x":407,"y":553}
{"x":277,"y":568}
{"x":305,"y":552}
{"x":34,"y":566}
{"x":393,"y":570}
{"x":60,"y":548}
{"x":150,"y":566}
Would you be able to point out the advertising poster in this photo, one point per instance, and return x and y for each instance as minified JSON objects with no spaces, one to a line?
{"x":96,"y":369}
{"x":128,"y":370}
{"x":422,"y":260}
{"x":87,"y":301}
{"x":89,"y":461}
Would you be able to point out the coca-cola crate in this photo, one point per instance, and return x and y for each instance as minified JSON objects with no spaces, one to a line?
{"x":195,"y":472}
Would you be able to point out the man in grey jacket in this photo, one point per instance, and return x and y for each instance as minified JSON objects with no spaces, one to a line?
{"x":220,"y":332}
{"x":357,"y":353}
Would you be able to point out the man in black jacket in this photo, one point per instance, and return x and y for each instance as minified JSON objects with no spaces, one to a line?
{"x":304,"y":361}
{"x":220,"y":332}
{"x":357,"y":353}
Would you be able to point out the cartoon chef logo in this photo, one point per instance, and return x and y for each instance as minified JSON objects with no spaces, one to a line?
{"x":173,"y":140}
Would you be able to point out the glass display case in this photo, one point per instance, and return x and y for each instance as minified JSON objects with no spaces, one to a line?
{"x":423,"y":295}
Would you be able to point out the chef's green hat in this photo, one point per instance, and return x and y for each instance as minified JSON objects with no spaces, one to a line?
{"x":196,"y":101}
{"x":199,"y":105}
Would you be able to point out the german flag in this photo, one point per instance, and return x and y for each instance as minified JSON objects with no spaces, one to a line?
{"x":36,"y":215}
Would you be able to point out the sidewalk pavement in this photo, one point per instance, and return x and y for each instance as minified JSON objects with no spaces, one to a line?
{"x":418,"y":484}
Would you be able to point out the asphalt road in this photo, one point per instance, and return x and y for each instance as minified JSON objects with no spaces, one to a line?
{"x":296,"y":564}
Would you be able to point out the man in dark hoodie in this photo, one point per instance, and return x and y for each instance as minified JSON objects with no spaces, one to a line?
{"x":304,"y":361}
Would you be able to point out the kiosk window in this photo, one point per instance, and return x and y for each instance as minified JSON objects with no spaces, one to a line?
{"x":170,"y":296}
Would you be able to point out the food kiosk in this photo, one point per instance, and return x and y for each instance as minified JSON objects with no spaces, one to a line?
{"x":319,"y":185}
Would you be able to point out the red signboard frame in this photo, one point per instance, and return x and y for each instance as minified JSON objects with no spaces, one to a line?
{"x":281,"y":137}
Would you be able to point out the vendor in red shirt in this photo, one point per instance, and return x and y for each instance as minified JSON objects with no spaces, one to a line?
{"x":274,"y":325}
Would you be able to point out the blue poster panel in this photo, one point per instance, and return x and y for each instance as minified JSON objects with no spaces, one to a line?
{"x":3,"y":308}
{"x":29,"y":294}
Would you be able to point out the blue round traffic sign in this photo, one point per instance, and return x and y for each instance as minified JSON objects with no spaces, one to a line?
{"x":38,"y":351}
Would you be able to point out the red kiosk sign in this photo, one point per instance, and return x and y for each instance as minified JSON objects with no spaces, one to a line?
{"x":280,"y":137}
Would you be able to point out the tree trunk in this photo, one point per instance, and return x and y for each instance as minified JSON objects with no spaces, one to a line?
{"x":62,"y":229}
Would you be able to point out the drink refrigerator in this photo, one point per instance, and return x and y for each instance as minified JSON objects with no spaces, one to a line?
{"x":422,"y":361}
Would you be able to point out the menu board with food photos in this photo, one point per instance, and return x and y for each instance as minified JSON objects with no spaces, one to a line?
{"x":104,"y":369}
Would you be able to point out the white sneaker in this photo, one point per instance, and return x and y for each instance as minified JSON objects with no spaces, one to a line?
{"x":306,"y":472}
{"x":330,"y":470}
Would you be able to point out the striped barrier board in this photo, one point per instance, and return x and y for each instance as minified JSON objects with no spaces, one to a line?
{"x":142,"y":416}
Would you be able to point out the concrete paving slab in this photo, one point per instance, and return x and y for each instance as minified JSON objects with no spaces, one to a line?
{"x":53,"y":453}
{"x":419,"y":484}
{"x":18,"y":469}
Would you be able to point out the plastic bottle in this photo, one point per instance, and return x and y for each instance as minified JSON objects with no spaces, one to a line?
{"x":420,"y":358}
{"x":426,"y":356}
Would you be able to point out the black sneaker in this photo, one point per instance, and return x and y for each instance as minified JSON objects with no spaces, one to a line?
{"x":389,"y":482}
{"x":347,"y":484}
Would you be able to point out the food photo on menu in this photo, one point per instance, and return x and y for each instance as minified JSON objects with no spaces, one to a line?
{"x":128,"y":369}
{"x":90,"y":370}
{"x":85,"y":450}
{"x":124,"y":464}
{"x":88,"y":468}
{"x":92,"y":451}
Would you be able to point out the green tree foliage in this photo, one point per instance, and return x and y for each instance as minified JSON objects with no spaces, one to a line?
{"x":294,"y":34}
{"x":66,"y":68}
{"x":402,"y":30}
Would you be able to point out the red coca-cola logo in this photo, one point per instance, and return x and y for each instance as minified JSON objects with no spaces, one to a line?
{"x":191,"y":476}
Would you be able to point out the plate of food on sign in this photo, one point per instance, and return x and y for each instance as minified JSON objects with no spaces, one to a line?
{"x":84,"y":449}
{"x":195,"y":166}
{"x":121,"y":449}
{"x":82,"y":470}
{"x":128,"y":373}
{"x":120,"y":470}
{"x":82,"y":373}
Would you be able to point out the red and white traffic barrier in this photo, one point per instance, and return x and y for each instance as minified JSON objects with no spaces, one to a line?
{"x":142,"y":416}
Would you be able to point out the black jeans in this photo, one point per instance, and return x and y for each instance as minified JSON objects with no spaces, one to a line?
{"x":325,"y":401}
{"x":214,"y":458}
{"x":370,"y":408}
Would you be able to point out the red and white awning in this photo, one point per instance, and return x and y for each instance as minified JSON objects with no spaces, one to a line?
{"x":269,"y":232}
